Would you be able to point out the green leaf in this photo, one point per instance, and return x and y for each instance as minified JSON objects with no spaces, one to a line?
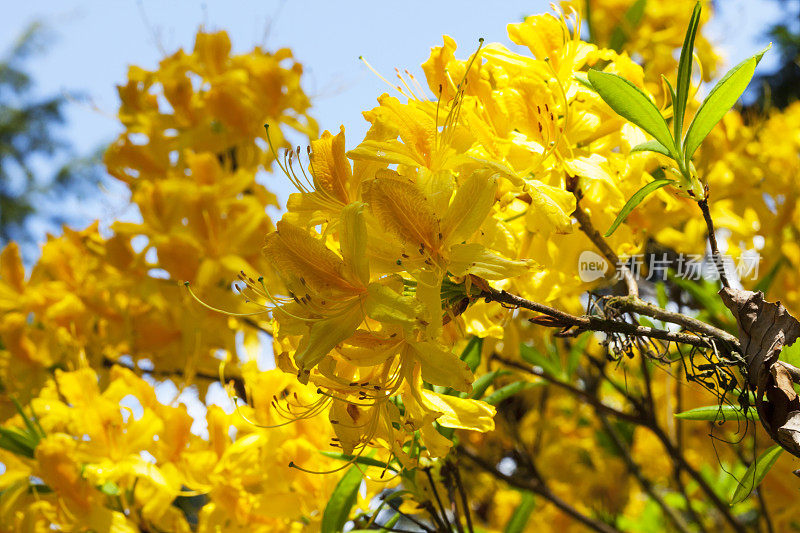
{"x":508,"y":391}
{"x":630,"y":19}
{"x":635,"y":200}
{"x":765,"y":283}
{"x":715,"y":412}
{"x":685,"y":73}
{"x":719,"y":101}
{"x":17,"y":441}
{"x":791,"y":354}
{"x":671,"y":91}
{"x":533,"y":356}
{"x":480,"y":385}
{"x":652,"y":146}
{"x":583,"y":79}
{"x":522,"y":514}
{"x":385,"y":527}
{"x":631,"y":103}
{"x":577,"y":349}
{"x":472,"y":352}
{"x":341,"y":502}
{"x":28,"y":422}
{"x":755,"y":474}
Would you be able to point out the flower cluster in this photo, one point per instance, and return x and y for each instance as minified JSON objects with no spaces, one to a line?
{"x":137,"y":466}
{"x":385,"y":247}
{"x":374,"y":291}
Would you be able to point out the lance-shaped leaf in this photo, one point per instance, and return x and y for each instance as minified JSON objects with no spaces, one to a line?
{"x":631,"y":103}
{"x":755,"y":474}
{"x":719,"y":101}
{"x":472,"y":352}
{"x":685,"y":72}
{"x":510,"y":390}
{"x":481,"y":384}
{"x":341,"y":502}
{"x":522,"y":514}
{"x":713,"y":413}
{"x":652,"y":146}
{"x":635,"y":200}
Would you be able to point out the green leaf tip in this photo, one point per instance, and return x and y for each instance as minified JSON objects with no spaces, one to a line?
{"x":755,"y":474}
{"x":719,"y":101}
{"x":635,"y":200}
{"x":630,"y":102}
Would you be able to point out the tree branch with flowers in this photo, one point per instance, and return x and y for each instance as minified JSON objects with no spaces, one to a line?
{"x":442,"y":363}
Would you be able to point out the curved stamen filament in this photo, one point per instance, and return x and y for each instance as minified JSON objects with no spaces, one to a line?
{"x":212,"y":308}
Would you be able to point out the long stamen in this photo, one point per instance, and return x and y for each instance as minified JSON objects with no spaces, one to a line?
{"x":212,"y":308}
{"x":405,"y":84}
{"x":387,"y":82}
{"x":417,"y":85}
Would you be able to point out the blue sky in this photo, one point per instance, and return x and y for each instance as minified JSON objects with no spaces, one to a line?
{"x":95,"y":41}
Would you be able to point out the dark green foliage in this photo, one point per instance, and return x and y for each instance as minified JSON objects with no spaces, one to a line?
{"x":782,"y":86}
{"x":29,"y":143}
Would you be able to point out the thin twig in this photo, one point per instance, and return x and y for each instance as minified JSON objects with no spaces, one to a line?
{"x":645,"y":483}
{"x":536,"y":486}
{"x":583,"y":395}
{"x":593,"y":322}
{"x":635,"y":305}
{"x":238,"y":381}
{"x":681,"y":462}
{"x":586,"y":226}
{"x":712,"y":239}
{"x":438,"y":500}
{"x":463,"y":494}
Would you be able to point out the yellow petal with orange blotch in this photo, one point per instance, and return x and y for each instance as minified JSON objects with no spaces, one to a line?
{"x":365,"y":348}
{"x":295,"y":254}
{"x":402,"y":209}
{"x":350,"y":423}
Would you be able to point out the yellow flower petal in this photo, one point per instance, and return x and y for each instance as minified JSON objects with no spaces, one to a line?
{"x":404,"y":210}
{"x":460,"y":413}
{"x":385,"y":305}
{"x":473,"y":258}
{"x":472,"y":203}
{"x":442,"y":367}
{"x":330,"y":167}
{"x":324,"y":335}
{"x":551,"y":208}
{"x":295,"y":254}
{"x":353,"y":240}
